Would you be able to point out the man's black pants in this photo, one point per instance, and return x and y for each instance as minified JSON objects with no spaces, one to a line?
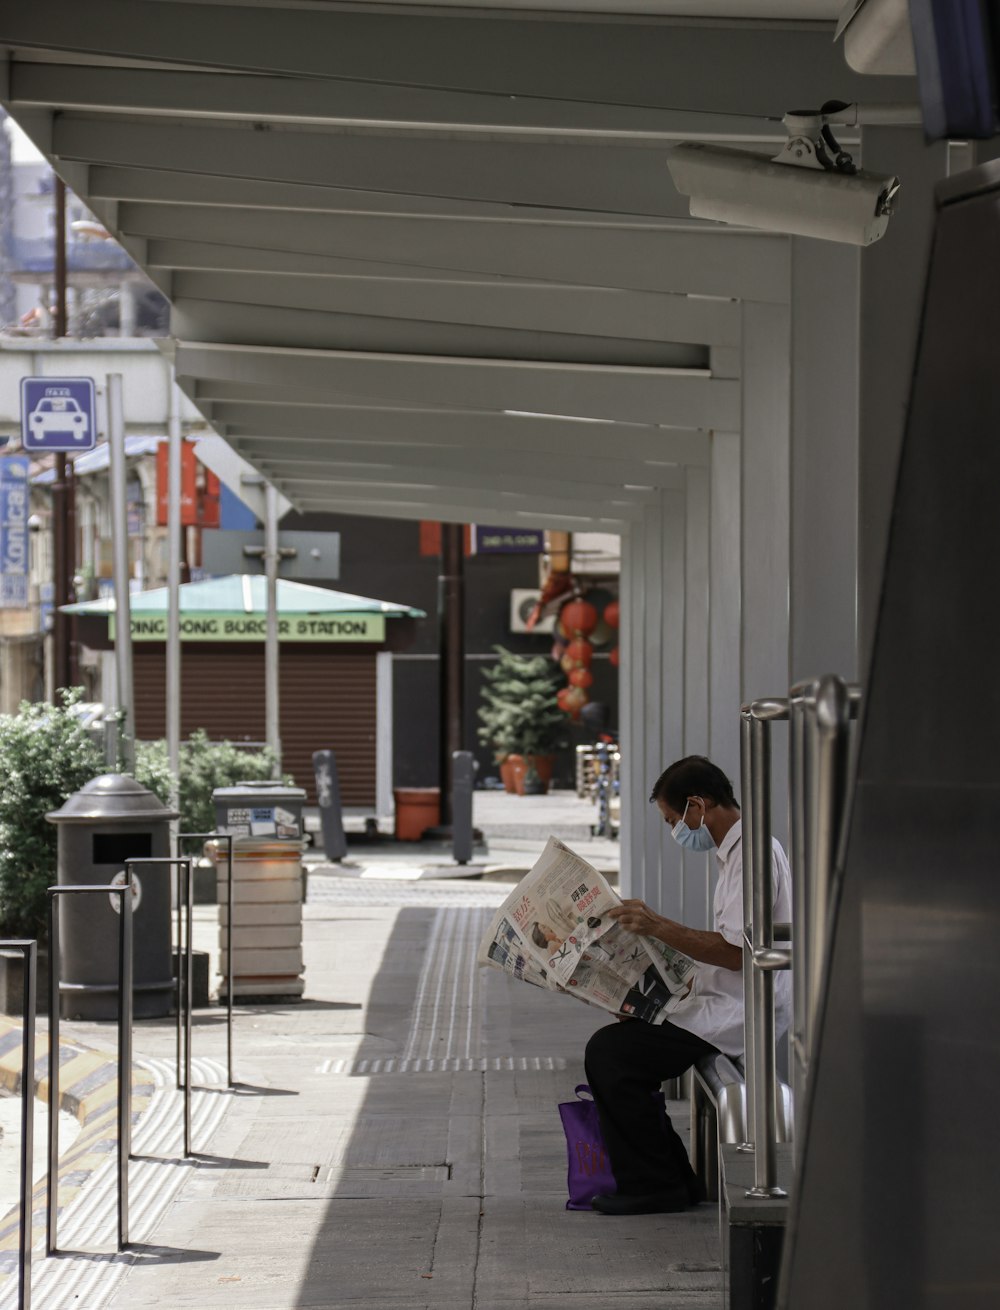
{"x":626,"y":1063}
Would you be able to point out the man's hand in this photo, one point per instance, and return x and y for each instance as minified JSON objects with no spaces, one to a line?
{"x":637,"y":917}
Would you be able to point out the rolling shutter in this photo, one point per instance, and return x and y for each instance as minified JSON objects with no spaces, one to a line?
{"x":327,"y":701}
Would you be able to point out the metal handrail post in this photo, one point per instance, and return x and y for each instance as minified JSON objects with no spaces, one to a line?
{"x":765,"y":1066}
{"x":746,"y":769}
{"x":184,"y":993}
{"x":227,"y":837}
{"x":801,"y":772}
{"x":833,"y":715}
{"x":29,"y":952}
{"x":124,"y":895}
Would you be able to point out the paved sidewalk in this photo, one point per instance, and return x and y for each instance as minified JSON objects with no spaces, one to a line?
{"x":394,"y":1141}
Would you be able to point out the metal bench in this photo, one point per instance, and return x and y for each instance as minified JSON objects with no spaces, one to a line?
{"x":719,"y":1114}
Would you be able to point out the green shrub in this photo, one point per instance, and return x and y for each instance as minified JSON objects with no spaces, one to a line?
{"x":45,"y":756}
{"x":205,"y":765}
{"x":519,"y":714}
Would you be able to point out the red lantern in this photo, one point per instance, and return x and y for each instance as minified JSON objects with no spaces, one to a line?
{"x":614,"y":657}
{"x":567,"y":664}
{"x":611,"y":614}
{"x":580,"y":652}
{"x":578,"y":618}
{"x":561,"y":695}
{"x":581,"y":678}
{"x":574,"y":701}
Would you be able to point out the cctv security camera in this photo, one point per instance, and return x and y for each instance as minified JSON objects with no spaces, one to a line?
{"x":810,"y":189}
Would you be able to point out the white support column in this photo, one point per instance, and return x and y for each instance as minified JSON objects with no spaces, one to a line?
{"x":824,"y":455}
{"x":651,"y":677}
{"x":765,"y":521}
{"x":725,"y":618}
{"x":698,"y":870}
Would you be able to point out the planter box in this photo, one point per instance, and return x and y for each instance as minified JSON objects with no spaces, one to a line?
{"x":12,"y":982}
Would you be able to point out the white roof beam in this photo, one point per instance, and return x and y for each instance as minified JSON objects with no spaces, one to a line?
{"x":333,"y":102}
{"x":641,"y":395}
{"x":735,"y":265}
{"x":742,"y":69}
{"x":163,"y":186}
{"x":257,"y":325}
{"x":591,"y":311}
{"x":612,"y":178}
{"x":370,"y":507}
{"x":554,"y":490}
{"x":479,"y":502}
{"x":613,"y":469}
{"x":322,"y":426}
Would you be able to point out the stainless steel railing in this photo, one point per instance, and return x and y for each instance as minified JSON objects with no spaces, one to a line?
{"x":184,"y":989}
{"x":227,"y":837}
{"x":820,"y":713}
{"x":124,"y":895}
{"x":761,"y":957}
{"x":29,"y":950}
{"x":823,"y":712}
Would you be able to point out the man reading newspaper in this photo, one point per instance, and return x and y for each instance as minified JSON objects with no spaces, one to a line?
{"x":564,"y":928}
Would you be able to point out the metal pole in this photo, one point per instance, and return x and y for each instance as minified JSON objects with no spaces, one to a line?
{"x":765,"y":1132}
{"x":119,"y":533}
{"x":124,"y":1053}
{"x":463,"y":772}
{"x":801,"y":769}
{"x":227,"y":837}
{"x":182,"y":992}
{"x":189,"y":989}
{"x":451,"y":621}
{"x":748,"y":789}
{"x":832,"y":729}
{"x":124,"y":1058}
{"x":174,"y":529}
{"x":52,"y":1210}
{"x":29,"y":951}
{"x":271,"y":691}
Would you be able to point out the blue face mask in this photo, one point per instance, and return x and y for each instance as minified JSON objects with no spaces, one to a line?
{"x":692,"y":839}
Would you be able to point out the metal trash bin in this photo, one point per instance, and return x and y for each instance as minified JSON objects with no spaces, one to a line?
{"x":110,"y":820}
{"x":265,"y":822}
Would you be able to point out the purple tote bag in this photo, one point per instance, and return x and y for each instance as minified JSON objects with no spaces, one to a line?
{"x":589,"y":1166}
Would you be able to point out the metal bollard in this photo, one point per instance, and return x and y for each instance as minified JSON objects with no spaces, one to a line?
{"x":230,"y":905}
{"x":463,"y":775}
{"x":331,"y":813}
{"x":184,"y":990}
{"x":124,"y":895}
{"x":29,"y":950}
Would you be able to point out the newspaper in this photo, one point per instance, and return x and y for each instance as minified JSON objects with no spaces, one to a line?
{"x":554,"y":931}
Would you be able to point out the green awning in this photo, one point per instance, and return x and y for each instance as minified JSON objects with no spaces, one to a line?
{"x":235,"y":608}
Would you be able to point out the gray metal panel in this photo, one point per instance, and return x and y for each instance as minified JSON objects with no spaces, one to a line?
{"x":895,"y":1201}
{"x":824,"y":455}
{"x":765,"y":521}
{"x":633,"y":63}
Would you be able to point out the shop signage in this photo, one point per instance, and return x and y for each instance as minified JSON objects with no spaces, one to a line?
{"x":253,"y":627}
{"x":14,"y":532}
{"x":508,"y":541}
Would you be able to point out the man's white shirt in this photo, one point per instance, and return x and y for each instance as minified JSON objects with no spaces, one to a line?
{"x":714,"y":1008}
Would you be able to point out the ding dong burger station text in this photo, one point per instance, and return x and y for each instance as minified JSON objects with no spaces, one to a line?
{"x":335,"y":649}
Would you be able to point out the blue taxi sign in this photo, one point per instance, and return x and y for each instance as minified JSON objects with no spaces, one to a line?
{"x":58,"y":414}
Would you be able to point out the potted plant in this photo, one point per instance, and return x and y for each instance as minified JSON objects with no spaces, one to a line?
{"x":520,"y":720}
